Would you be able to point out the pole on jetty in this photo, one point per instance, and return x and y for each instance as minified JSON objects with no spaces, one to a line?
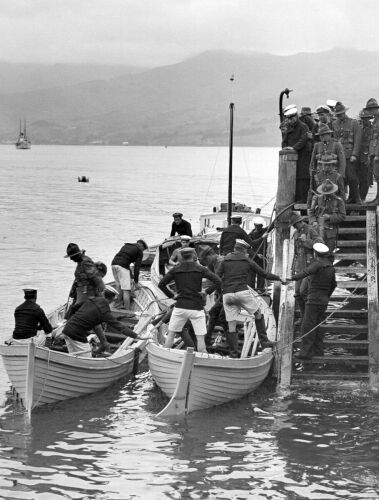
{"x":372,"y":298}
{"x":285,"y":196}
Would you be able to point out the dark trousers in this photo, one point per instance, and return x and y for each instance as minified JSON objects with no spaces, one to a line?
{"x":364,"y":178}
{"x":313,"y":343}
{"x":216,"y":317}
{"x":352,"y":180}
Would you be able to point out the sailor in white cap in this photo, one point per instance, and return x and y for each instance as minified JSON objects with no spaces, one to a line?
{"x":295,"y":138}
{"x":30,"y":318}
{"x":321,"y":284}
{"x":234,"y":271}
{"x":258,"y":252}
{"x":88,"y":315}
{"x":176,"y":257}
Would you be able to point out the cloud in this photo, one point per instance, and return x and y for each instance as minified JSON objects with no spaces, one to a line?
{"x":156,"y":32}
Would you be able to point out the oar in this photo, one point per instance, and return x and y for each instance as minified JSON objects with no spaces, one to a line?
{"x":178,"y":403}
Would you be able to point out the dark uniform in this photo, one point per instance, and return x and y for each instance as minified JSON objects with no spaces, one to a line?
{"x":349,"y":133}
{"x":365,"y":171}
{"x":88,"y":282}
{"x":183,"y":228}
{"x":229,"y":236}
{"x":29,"y":318}
{"x":334,"y":207}
{"x":296,"y":137}
{"x":130,"y":253}
{"x":257,"y":252}
{"x":374,"y":150}
{"x":303,"y":255}
{"x":332,"y":148}
{"x":321,"y":284}
{"x":88,"y":315}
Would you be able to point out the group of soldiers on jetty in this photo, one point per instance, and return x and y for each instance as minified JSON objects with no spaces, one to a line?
{"x":338,"y":160}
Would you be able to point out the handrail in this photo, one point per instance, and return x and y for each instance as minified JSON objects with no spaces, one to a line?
{"x":372,"y":297}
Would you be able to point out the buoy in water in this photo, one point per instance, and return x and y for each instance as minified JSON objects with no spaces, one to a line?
{"x":83,"y":178}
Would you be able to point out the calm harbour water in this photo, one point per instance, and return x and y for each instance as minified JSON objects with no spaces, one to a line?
{"x":305,"y":444}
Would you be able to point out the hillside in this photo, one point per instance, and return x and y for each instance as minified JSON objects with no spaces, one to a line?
{"x":187,"y":103}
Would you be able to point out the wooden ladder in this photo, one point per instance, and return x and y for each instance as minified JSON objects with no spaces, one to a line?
{"x":351,"y":328}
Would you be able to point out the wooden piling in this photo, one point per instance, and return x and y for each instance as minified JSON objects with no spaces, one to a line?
{"x":372,"y":298}
{"x":285,"y":196}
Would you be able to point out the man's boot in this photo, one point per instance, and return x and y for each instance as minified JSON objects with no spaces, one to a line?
{"x":375,"y":201}
{"x":356,"y":197}
{"x":232,"y":339}
{"x":262,"y":333}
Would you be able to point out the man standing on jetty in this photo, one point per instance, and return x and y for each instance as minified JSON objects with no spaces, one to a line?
{"x":29,"y":318}
{"x":321,"y":285}
{"x":188,"y":278}
{"x":372,"y":107}
{"x":128,"y":254}
{"x":180,"y":226}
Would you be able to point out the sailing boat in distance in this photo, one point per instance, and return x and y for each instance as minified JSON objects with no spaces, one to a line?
{"x":23,"y":141}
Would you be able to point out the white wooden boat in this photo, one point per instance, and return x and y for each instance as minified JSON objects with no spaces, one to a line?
{"x":195,"y":381}
{"x":41,"y":376}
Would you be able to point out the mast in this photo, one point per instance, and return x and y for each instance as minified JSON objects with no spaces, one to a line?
{"x":230,"y":182}
{"x":24,"y":128}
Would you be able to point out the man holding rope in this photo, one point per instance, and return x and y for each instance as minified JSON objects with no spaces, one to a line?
{"x":321,"y":284}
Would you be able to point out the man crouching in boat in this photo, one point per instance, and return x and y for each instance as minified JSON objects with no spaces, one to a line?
{"x":29,"y":318}
{"x":234,"y":270}
{"x":89,"y":314}
{"x":189,"y":301}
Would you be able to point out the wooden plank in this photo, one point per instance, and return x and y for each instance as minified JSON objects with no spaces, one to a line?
{"x":352,"y":284}
{"x":29,"y":383}
{"x":351,"y":243}
{"x":178,"y":403}
{"x":372,"y":299}
{"x":350,"y":269}
{"x":350,"y":256}
{"x":352,"y":230}
{"x":286,"y":319}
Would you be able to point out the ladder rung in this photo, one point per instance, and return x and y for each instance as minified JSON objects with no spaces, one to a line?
{"x":352,"y":284}
{"x":350,"y":269}
{"x":351,"y":230}
{"x":351,"y":243}
{"x":350,"y":256}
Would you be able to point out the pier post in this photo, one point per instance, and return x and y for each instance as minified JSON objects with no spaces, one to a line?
{"x":372,"y":299}
{"x":285,"y":196}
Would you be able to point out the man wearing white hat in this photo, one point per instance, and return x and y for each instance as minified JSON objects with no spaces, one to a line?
{"x":30,"y":318}
{"x":176,"y":257}
{"x":234,"y":270}
{"x":321,"y":284}
{"x":295,"y":137}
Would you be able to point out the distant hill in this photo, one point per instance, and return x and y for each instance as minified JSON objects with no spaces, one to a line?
{"x":181,"y":104}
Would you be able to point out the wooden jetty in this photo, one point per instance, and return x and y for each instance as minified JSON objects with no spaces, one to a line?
{"x":352,"y":319}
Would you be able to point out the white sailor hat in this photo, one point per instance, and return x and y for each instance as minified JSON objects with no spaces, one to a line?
{"x":109,"y":290}
{"x":242,"y":243}
{"x":290,"y":111}
{"x":259,"y":221}
{"x":185,"y":237}
{"x":320,"y":248}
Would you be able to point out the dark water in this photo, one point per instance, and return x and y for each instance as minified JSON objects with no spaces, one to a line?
{"x":313,"y":444}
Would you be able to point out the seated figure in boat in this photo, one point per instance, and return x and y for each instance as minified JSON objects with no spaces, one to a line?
{"x":234,"y":270}
{"x":326,"y":212}
{"x":233,"y":232}
{"x":29,"y":319}
{"x":188,"y":278}
{"x":129,"y":253}
{"x":88,"y":315}
{"x":180,"y":226}
{"x":176,"y":257}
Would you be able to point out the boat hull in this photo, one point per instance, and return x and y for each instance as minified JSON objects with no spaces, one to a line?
{"x":214,"y":380}
{"x":59,"y":376}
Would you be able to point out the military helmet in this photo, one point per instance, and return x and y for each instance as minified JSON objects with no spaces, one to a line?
{"x":372,"y":104}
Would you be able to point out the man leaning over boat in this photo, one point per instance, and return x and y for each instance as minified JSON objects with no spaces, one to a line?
{"x":234,"y":269}
{"x":188,"y":278}
{"x":86,"y":316}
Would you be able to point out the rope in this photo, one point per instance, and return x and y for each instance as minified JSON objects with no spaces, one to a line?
{"x":211,"y":178}
{"x":364,"y":277}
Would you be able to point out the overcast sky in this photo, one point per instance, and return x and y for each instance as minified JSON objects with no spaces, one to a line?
{"x":158,"y":32}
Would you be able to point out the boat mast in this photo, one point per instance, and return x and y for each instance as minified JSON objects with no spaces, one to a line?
{"x":230,"y":183}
